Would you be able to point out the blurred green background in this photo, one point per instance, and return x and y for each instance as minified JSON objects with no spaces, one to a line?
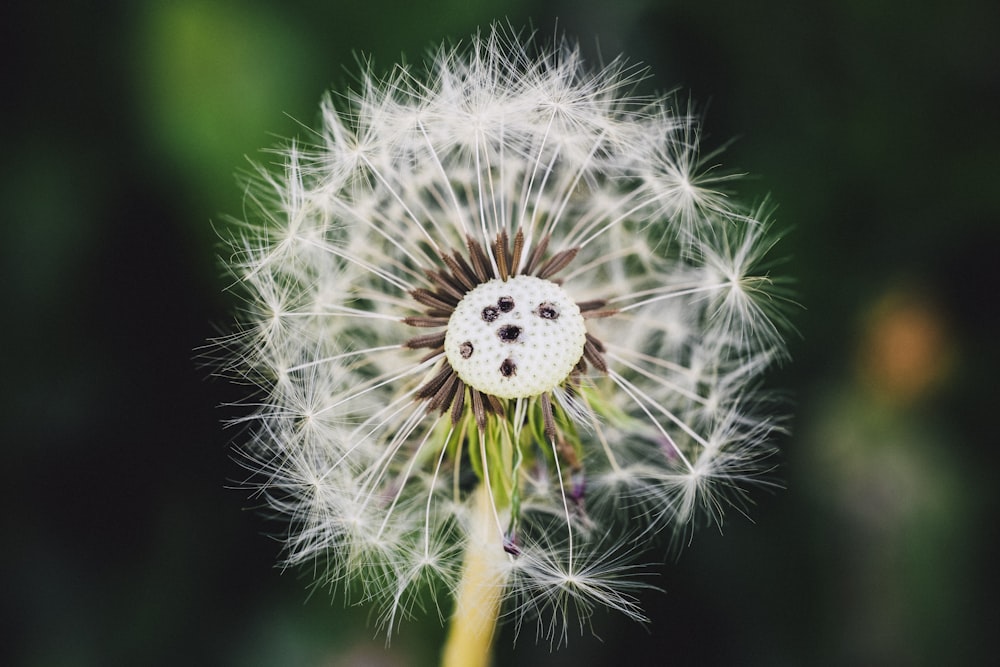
{"x":874,"y":126}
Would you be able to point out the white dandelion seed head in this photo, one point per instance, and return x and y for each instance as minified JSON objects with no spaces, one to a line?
{"x":503,"y":271}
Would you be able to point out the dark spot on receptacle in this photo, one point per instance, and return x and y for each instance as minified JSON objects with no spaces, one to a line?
{"x":547,"y":311}
{"x":490,"y":313}
{"x":508,"y":368}
{"x":509,"y":333}
{"x":505,"y":304}
{"x":465,"y":349}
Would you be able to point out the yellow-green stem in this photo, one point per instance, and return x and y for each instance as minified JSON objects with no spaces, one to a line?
{"x":480,"y":592}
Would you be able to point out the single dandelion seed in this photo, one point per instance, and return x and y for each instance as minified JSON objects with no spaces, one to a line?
{"x":506,"y":327}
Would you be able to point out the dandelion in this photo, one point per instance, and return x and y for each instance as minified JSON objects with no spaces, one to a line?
{"x":507,"y":325}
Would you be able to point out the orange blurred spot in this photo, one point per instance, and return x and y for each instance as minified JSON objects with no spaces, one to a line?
{"x":906,"y":348}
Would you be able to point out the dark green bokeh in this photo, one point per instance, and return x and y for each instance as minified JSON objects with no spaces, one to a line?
{"x":873,"y":125}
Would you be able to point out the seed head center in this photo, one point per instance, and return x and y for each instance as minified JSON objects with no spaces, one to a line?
{"x":515,"y":338}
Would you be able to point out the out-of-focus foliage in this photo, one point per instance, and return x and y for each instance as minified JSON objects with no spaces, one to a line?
{"x":873,"y":127}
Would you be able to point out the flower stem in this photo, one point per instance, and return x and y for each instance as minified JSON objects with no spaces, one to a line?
{"x":477,"y":604}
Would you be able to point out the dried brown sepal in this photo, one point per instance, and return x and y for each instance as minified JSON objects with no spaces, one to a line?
{"x":592,"y":354}
{"x":436,"y":300}
{"x":445,"y":283}
{"x":432,"y":340}
{"x":433,"y":354}
{"x":548,"y":419}
{"x":596,"y":342}
{"x":426,"y":322}
{"x":467,"y":269}
{"x":592,"y":309}
{"x":458,"y":405}
{"x":500,"y":253}
{"x":468,"y":281}
{"x":480,"y":262}
{"x":592,"y":304}
{"x":495,"y":405}
{"x":515,"y":255}
{"x":596,"y":314}
{"x":445,"y":395}
{"x":478,"y":411}
{"x":432,"y":386}
{"x":536,"y":255}
{"x":556,"y":263}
